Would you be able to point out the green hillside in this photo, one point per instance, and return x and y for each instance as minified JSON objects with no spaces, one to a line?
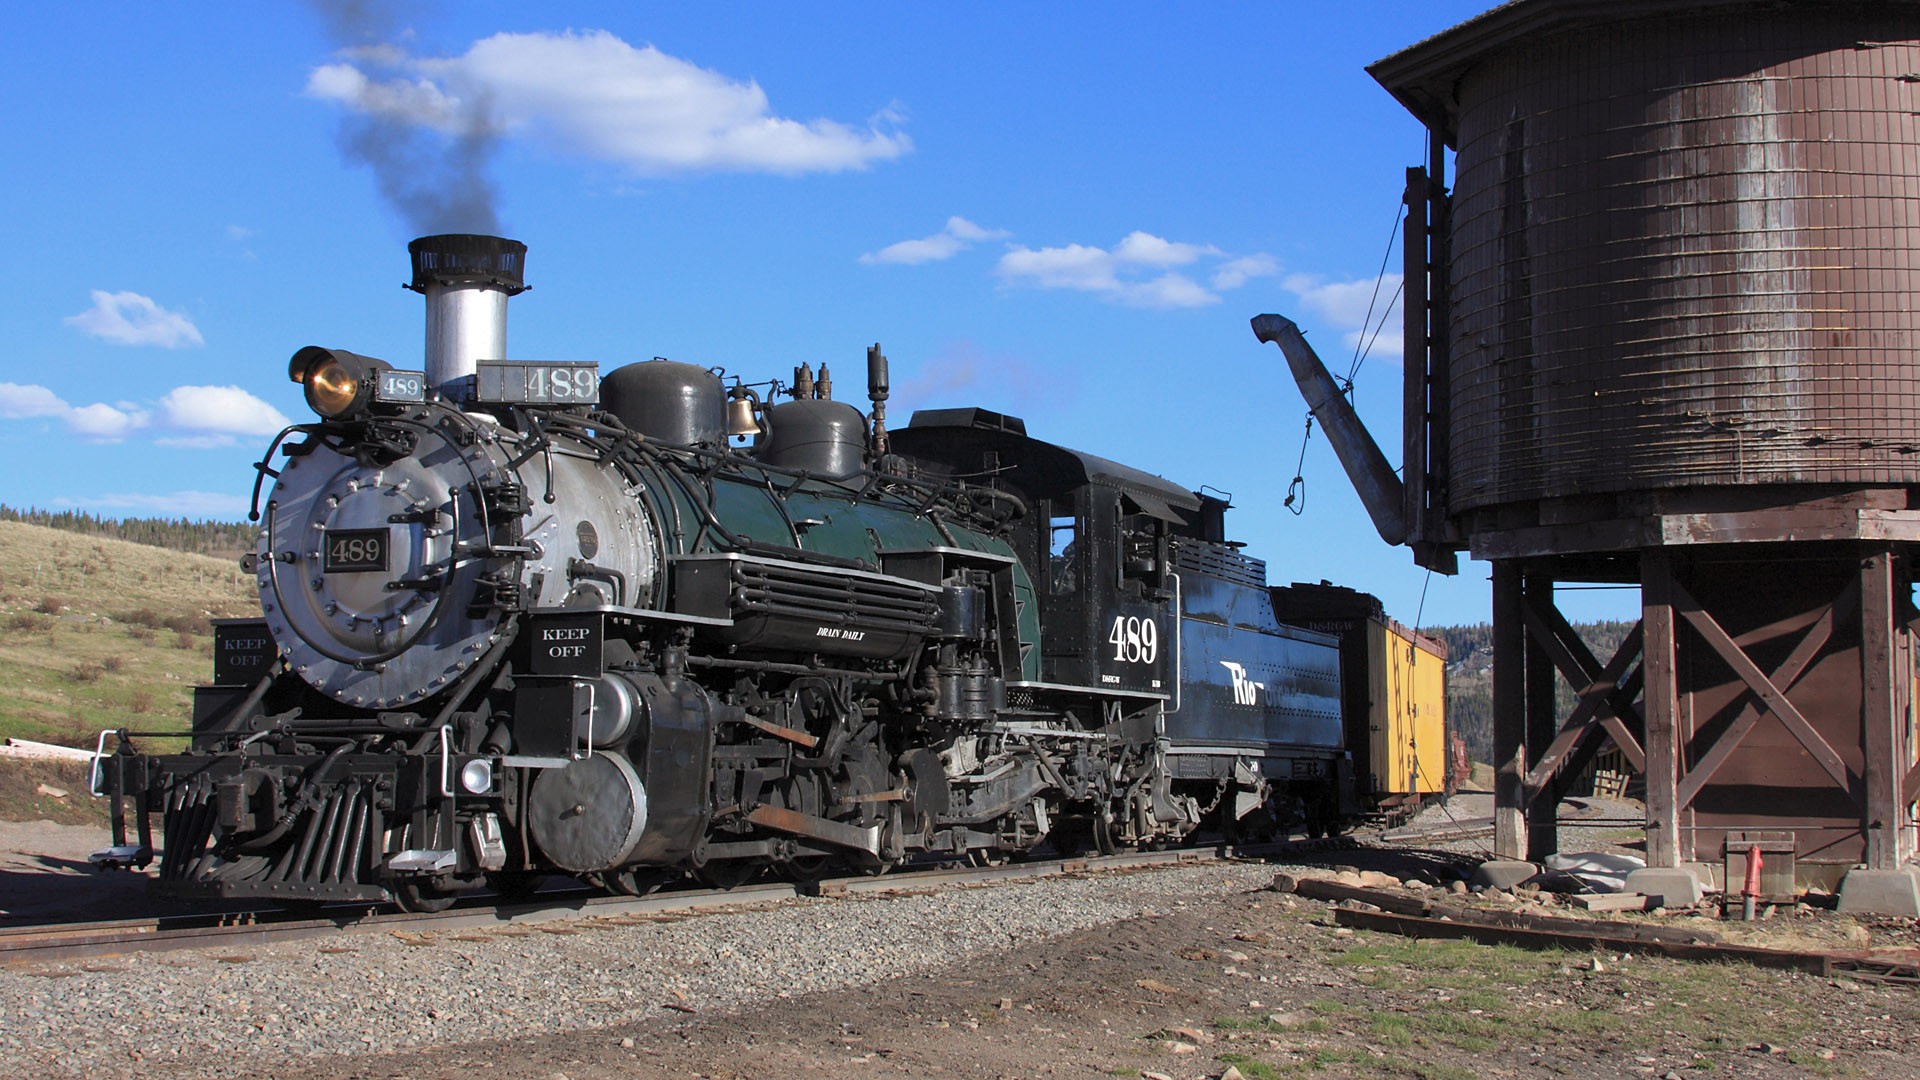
{"x":103,"y":633}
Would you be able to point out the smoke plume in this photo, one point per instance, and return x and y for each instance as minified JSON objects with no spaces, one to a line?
{"x":431,"y":155}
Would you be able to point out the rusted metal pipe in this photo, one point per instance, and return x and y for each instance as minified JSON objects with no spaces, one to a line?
{"x":1381,"y":492}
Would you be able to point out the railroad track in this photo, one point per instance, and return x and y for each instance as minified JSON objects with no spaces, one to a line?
{"x":26,"y":945}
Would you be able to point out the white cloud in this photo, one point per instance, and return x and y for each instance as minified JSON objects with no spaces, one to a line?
{"x":416,"y":101}
{"x":104,"y":423}
{"x":188,"y":504}
{"x":188,"y":416}
{"x":225,"y":410}
{"x":592,"y":94}
{"x":1146,"y":249}
{"x":1236,"y":272}
{"x":127,"y":318}
{"x":19,"y":402}
{"x":956,"y":236}
{"x":1345,"y":306}
{"x":1136,"y":272}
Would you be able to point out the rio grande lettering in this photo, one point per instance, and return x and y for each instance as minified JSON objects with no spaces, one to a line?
{"x":1245,"y":690}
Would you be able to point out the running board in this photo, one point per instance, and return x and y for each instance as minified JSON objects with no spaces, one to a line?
{"x":420,"y":861}
{"x":832,"y":832}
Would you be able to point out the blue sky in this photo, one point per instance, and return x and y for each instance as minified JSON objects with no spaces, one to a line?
{"x":1066,"y":212}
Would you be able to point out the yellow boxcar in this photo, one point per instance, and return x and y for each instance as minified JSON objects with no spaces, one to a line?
{"x":1407,"y":719}
{"x":1393,"y":693}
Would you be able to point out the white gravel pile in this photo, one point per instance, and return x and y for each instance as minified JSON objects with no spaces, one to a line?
{"x":234,"y":1012}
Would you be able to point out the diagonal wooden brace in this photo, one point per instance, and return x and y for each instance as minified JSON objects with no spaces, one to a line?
{"x":1600,"y":696}
{"x":1623,"y":698}
{"x":1788,"y":673}
{"x":1770,"y":696}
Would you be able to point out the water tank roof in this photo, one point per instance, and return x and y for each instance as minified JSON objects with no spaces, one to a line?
{"x":1423,"y":76}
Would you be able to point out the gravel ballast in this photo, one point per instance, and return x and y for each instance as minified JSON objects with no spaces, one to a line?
{"x":232,"y":1012}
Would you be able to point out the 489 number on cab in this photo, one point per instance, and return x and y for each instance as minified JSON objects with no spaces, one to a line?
{"x":1135,"y":640}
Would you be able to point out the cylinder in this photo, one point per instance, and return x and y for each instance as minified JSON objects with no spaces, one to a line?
{"x":466,"y":279}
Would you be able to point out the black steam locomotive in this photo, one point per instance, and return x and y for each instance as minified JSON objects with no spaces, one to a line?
{"x":520,"y":619}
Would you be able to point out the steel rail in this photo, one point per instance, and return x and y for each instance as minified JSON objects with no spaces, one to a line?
{"x":26,"y":945}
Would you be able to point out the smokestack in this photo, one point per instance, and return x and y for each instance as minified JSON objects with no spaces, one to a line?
{"x":466,"y":278}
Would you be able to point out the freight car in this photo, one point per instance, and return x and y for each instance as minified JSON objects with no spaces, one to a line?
{"x":520,"y":619}
{"x":1393,"y":693}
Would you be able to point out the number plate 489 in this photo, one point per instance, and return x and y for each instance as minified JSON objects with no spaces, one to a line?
{"x":355,"y":551}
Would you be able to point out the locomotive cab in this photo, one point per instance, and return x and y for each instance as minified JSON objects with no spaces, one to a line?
{"x":1100,"y":529}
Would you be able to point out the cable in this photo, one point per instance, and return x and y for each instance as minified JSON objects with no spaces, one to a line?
{"x":1362,"y":348}
{"x":1297,"y":487}
{"x":1364,"y":345}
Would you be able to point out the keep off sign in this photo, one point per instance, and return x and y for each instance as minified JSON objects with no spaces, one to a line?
{"x":243,"y":651}
{"x":567,"y":644}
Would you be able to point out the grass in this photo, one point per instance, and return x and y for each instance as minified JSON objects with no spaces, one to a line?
{"x":104,"y":633}
{"x":22,"y":797}
{"x":1249,"y":1067}
{"x":1452,"y":998}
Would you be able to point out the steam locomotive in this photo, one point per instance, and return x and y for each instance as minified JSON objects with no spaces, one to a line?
{"x":521,"y":619}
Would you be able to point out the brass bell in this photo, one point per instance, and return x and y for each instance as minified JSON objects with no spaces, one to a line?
{"x":741,"y":417}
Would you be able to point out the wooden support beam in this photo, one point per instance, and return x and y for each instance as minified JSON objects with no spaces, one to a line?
{"x":1543,"y":830}
{"x":1884,"y":722}
{"x":1786,"y":675}
{"x":1413,"y":357}
{"x":1662,"y":697}
{"x":1582,"y":755}
{"x":1620,"y":699}
{"x":1770,"y":695}
{"x":1509,"y":712}
{"x":1600,"y":693}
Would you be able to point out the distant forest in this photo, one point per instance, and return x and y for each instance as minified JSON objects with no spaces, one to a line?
{"x":220,"y":539}
{"x":1469,"y":648}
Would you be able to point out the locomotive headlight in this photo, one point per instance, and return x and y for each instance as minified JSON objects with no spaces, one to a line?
{"x":339,"y":383}
{"x":330,"y":390}
{"x":476,"y":776}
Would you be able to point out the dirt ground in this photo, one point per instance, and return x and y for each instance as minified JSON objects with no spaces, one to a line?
{"x":1259,"y":982}
{"x":45,"y":876}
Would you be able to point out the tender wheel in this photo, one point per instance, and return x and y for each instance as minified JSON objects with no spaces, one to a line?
{"x":422,"y":897}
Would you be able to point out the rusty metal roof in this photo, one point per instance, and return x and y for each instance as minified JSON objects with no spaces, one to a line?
{"x":1424,"y":76}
